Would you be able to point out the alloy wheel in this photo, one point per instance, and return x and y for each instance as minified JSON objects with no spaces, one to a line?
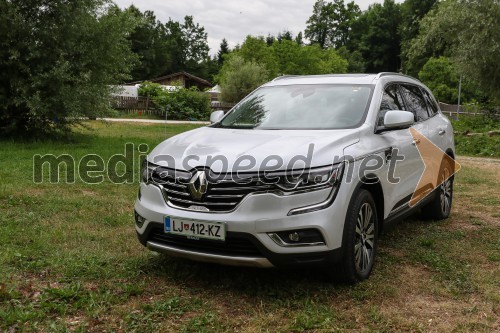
{"x":445,"y":191}
{"x":365,"y":238}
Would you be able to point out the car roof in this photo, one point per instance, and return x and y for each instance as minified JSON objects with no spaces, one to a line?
{"x":339,"y":79}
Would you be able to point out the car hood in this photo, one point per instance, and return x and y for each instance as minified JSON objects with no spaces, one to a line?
{"x":252,"y":149}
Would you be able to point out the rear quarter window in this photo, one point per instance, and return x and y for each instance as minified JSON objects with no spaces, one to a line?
{"x":432,"y":106}
{"x":415,"y":101}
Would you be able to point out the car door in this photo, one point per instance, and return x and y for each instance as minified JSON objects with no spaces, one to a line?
{"x":436,"y":124}
{"x":406,"y":167}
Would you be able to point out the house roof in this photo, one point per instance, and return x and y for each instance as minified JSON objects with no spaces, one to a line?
{"x":169,"y":76}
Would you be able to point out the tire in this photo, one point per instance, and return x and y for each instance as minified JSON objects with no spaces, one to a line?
{"x":360,"y":238}
{"x":440,"y":206}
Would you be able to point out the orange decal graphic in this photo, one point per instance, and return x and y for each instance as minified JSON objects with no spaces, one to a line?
{"x":438,"y":167}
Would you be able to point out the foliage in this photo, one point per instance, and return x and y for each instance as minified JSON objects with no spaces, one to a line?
{"x":148,"y":40}
{"x":412,"y":12}
{"x":475,"y":124}
{"x":332,"y":63}
{"x":255,"y":49}
{"x":375,"y":35}
{"x":150,"y":89}
{"x":331,"y":22}
{"x":356,"y":63}
{"x":179,"y":103}
{"x":169,"y":47}
{"x":57,"y":62}
{"x":224,"y":49}
{"x":479,"y":143}
{"x":467,"y":31}
{"x":238,"y":77}
{"x":441,"y":77}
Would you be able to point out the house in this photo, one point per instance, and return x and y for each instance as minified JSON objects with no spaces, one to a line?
{"x":186,"y":80}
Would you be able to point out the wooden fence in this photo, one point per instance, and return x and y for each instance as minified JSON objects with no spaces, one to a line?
{"x":144,"y":105}
{"x":454,"y":111}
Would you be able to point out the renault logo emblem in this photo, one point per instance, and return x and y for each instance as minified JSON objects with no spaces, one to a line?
{"x":198,"y":185}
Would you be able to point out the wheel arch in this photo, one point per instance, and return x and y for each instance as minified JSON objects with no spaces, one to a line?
{"x":371,"y":183}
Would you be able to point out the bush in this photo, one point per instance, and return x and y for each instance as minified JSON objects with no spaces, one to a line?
{"x":58,"y":60}
{"x":480,"y":143}
{"x":150,"y":89}
{"x":180,"y":103}
{"x":475,"y":124}
{"x":239,"y":77}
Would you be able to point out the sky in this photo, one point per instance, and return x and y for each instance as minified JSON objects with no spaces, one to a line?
{"x":235,"y":19}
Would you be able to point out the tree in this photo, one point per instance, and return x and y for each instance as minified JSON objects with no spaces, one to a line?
{"x":195,"y":48}
{"x":255,"y":49}
{"x":149,"y":41}
{"x":168,"y":48}
{"x":356,"y":63}
{"x":238,"y":78}
{"x":299,"y":39}
{"x":332,"y":62}
{"x":57,"y":62}
{"x":467,"y":31}
{"x":319,"y":24}
{"x":270,"y":39}
{"x":375,"y":35}
{"x":195,"y":41}
{"x":440,"y":76}
{"x":331,"y":22}
{"x":224,"y":49}
{"x":412,"y":12}
{"x":285,"y":35}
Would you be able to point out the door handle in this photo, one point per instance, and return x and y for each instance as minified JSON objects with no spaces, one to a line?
{"x":441,"y":131}
{"x":415,"y":142}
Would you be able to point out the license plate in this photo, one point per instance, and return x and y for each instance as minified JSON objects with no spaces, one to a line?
{"x":195,"y":229}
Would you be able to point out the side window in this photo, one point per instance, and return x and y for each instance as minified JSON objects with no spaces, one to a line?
{"x":391,"y":100}
{"x":415,"y":101}
{"x":431,"y":103}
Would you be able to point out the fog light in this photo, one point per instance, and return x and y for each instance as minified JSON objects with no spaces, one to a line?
{"x":294,"y":237}
{"x":299,"y":237}
{"x":139,"y":220}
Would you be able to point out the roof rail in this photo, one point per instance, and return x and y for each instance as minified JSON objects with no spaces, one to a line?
{"x":283,"y":77}
{"x":379,"y":75}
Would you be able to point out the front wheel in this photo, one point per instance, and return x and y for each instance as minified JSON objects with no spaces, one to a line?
{"x":359,"y":244}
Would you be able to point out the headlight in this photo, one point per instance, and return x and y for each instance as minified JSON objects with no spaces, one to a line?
{"x":311,"y":179}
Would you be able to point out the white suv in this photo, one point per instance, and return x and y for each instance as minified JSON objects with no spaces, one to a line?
{"x":306,"y":170}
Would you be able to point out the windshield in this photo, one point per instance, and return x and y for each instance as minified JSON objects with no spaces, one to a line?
{"x":301,"y":107}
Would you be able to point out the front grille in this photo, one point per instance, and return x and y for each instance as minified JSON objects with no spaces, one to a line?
{"x":220,"y":196}
{"x":233,"y":245}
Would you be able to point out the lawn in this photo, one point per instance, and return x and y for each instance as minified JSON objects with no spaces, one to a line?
{"x":474,"y":137}
{"x":70,"y":261}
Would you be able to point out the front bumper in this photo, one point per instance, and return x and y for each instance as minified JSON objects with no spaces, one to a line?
{"x":248,"y":242}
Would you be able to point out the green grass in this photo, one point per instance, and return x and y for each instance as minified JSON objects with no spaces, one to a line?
{"x":70,"y":261}
{"x":481,"y":143}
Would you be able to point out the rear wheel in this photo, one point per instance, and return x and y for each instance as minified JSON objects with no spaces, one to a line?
{"x":360,"y":239}
{"x":440,"y":206}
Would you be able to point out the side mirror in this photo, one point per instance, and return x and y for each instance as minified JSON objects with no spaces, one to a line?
{"x":216,"y":116}
{"x":398,"y":119}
